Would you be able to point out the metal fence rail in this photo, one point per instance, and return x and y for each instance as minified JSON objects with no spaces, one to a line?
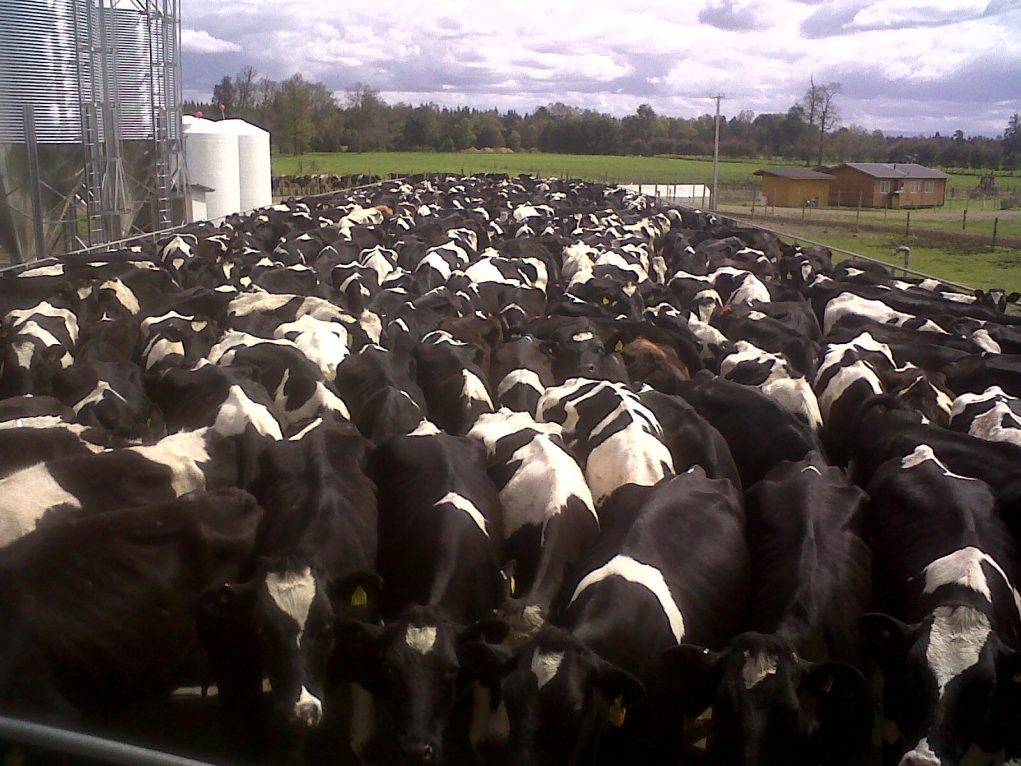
{"x":53,"y":739}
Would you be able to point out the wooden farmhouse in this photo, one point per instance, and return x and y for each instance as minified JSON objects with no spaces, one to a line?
{"x":879,"y":184}
{"x":794,"y":187}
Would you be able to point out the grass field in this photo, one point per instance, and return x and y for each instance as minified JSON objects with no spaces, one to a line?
{"x":984,"y":268}
{"x":976,"y":264}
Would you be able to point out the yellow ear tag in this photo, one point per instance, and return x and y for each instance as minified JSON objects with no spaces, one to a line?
{"x":827,"y":685}
{"x":606,"y":301}
{"x":619,"y":347}
{"x":359,"y":597}
{"x":1017,"y":678}
{"x":617,"y":712}
{"x":513,"y":586}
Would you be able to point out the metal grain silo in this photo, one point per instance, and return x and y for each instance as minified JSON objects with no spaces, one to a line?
{"x":89,"y":121}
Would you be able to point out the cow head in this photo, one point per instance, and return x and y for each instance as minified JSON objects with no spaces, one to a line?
{"x":412,"y":668}
{"x":950,"y":684}
{"x":768,"y":704}
{"x":559,"y":696}
{"x":997,"y":299}
{"x":290,"y":610}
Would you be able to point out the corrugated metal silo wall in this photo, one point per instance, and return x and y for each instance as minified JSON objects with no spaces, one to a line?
{"x":40,"y":68}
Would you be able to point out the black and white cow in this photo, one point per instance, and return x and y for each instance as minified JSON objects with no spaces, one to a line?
{"x":549,"y":517}
{"x":440,"y":550}
{"x":99,"y":613}
{"x":948,"y":627}
{"x":654,"y":579}
{"x":317,"y":550}
{"x":991,"y":415}
{"x":520,"y":371}
{"x":449,"y":372}
{"x":615,"y":437}
{"x":788,"y":690}
{"x":119,"y":478}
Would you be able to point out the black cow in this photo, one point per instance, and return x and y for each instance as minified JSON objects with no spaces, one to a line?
{"x":449,"y":372}
{"x":99,"y":613}
{"x":759,"y":432}
{"x":788,"y":691}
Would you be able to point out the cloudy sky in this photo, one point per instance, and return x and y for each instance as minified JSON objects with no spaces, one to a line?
{"x":906,"y":66}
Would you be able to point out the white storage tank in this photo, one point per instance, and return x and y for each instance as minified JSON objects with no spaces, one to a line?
{"x":213,"y":162}
{"x":254,"y":161}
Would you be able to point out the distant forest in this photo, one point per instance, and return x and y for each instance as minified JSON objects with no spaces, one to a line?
{"x":306,"y":116}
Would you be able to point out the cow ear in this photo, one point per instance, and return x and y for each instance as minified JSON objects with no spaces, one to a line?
{"x":228,"y":599}
{"x":619,"y":686}
{"x":699,"y":670}
{"x":359,"y":590}
{"x":1014,"y":297}
{"x":980,"y":295}
{"x":836,"y":680}
{"x":548,"y":347}
{"x":485,"y":662}
{"x":885,"y":638}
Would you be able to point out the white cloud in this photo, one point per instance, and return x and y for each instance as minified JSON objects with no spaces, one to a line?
{"x":890,"y":55}
{"x":198,"y":41}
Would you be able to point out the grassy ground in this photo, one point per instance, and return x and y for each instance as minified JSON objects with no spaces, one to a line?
{"x":983,"y":267}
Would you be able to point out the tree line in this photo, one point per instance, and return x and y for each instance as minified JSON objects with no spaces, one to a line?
{"x":305,"y":116}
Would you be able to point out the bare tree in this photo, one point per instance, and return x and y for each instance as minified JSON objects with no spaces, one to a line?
{"x":821,"y":111}
{"x":245,"y":83}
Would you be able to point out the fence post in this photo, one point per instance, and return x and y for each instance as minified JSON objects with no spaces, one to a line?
{"x":907,"y":226}
{"x":996,"y":222}
{"x":857,"y":216}
{"x":753,"y":204}
{"x":804,"y":207}
{"x":964,"y":220}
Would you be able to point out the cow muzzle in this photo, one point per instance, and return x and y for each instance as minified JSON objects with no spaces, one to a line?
{"x":308,"y":710}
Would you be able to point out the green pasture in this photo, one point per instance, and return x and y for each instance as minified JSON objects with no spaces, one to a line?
{"x":983,"y":268}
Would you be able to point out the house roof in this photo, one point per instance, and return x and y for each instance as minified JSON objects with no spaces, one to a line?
{"x":892,"y":170}
{"x":797,"y":174}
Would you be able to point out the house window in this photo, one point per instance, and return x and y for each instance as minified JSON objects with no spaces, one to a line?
{"x":884,"y":187}
{"x":913,"y":187}
{"x":930,"y":187}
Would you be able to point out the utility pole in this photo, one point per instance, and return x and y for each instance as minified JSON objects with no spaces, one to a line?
{"x":716,"y":151}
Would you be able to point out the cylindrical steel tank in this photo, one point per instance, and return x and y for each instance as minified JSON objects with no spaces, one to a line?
{"x":212,"y":152}
{"x":254,"y":159}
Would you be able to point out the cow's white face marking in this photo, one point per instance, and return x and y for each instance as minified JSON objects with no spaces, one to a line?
{"x":756,"y":667}
{"x":581,"y":337}
{"x":293,"y":593}
{"x":545,"y":666}
{"x":956,"y":639}
{"x":421,"y":640}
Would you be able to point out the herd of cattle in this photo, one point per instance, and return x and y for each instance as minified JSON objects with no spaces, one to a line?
{"x":513,"y":471}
